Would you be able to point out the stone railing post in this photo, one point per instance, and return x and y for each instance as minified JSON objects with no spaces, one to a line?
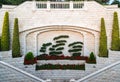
{"x":71,"y":5}
{"x":48,"y":5}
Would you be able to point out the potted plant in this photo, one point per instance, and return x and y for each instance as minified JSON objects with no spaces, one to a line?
{"x":29,"y":59}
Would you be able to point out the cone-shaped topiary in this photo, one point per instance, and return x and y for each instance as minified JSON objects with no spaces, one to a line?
{"x":103,"y":52}
{"x":115,"y":33}
{"x":92,"y":57}
{"x":15,"y":41}
{"x":5,"y":39}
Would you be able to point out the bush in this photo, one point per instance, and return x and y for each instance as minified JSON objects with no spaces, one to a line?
{"x":76,"y":54}
{"x":5,"y":39}
{"x":91,"y":59}
{"x":29,"y":56}
{"x":92,"y":56}
{"x":61,"y":36}
{"x":75,"y":43}
{"x":103,"y":52}
{"x":115,"y":33}
{"x":15,"y":41}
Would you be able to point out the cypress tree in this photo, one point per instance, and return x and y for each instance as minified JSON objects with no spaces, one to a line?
{"x":15,"y":41}
{"x":115,"y":33}
{"x":103,"y":52}
{"x":5,"y":39}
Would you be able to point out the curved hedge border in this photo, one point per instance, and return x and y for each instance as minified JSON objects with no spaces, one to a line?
{"x":61,"y":36}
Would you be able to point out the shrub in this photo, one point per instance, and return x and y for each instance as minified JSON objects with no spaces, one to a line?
{"x":103,"y":52}
{"x":29,"y":56}
{"x":29,"y":59}
{"x":57,"y":45}
{"x":60,"y":48}
{"x":92,"y":57}
{"x":75,"y":43}
{"x":5,"y":39}
{"x":76,"y":54}
{"x":74,"y":50}
{"x":61,"y":36}
{"x":61,"y":41}
{"x":15,"y":41}
{"x":115,"y":33}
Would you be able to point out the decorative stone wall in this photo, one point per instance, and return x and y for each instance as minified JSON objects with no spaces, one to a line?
{"x":33,"y":23}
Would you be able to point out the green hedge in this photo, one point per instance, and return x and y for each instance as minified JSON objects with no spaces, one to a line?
{"x":61,"y":41}
{"x":103,"y":52}
{"x":29,"y":56}
{"x":61,"y":36}
{"x":115,"y":33}
{"x":5,"y":38}
{"x":15,"y":41}
{"x":75,"y":43}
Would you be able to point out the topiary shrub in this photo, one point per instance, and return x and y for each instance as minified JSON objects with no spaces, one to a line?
{"x":29,"y":59}
{"x":15,"y":41}
{"x":103,"y":52}
{"x":91,"y":59}
{"x":115,"y":33}
{"x":5,"y":38}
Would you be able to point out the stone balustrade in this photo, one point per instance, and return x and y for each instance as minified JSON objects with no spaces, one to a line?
{"x":59,"y":5}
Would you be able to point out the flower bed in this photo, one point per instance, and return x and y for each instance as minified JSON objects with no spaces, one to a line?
{"x":29,"y":62}
{"x":58,"y":66}
{"x":62,"y":57}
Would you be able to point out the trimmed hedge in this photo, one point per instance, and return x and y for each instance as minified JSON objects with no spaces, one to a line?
{"x":115,"y":33}
{"x":60,"y":48}
{"x":5,"y":38}
{"x":103,"y":52}
{"x":91,"y":59}
{"x":75,"y":43}
{"x":58,"y":66}
{"x":61,"y":36}
{"x":61,"y":41}
{"x":15,"y":41}
{"x":57,"y":45}
{"x":29,"y":56}
{"x":74,"y":50}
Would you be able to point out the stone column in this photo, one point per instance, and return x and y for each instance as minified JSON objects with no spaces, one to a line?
{"x":71,"y":5}
{"x":96,"y":44}
{"x":48,"y":5}
{"x":25,"y":48}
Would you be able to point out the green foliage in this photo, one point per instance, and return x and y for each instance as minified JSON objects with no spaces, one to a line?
{"x":115,"y":33}
{"x":55,"y":52}
{"x":116,"y":2}
{"x":15,"y":41}
{"x":75,"y":43}
{"x":61,"y":36}
{"x":61,"y":41}
{"x":92,"y":57}
{"x":5,"y":39}
{"x":51,"y":49}
{"x":78,"y":46}
{"x":57,"y":45}
{"x":29,"y":56}
{"x":44,"y":47}
{"x":76,"y":54}
{"x":60,"y":48}
{"x":103,"y":52}
{"x":74,"y":50}
{"x":58,"y":66}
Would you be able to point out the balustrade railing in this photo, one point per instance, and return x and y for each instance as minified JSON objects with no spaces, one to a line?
{"x":59,"y":5}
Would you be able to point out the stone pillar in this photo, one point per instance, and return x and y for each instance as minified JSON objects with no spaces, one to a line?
{"x":85,"y":44}
{"x":48,"y":5}
{"x":25,"y":48}
{"x":34,"y":5}
{"x":71,"y":5}
{"x":96,"y":44}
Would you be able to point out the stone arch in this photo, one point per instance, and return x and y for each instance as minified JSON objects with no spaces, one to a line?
{"x":35,"y":33}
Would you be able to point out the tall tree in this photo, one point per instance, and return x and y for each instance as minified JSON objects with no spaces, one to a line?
{"x":115,"y":33}
{"x":103,"y":52}
{"x":15,"y":41}
{"x":5,"y":39}
{"x":116,"y":2}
